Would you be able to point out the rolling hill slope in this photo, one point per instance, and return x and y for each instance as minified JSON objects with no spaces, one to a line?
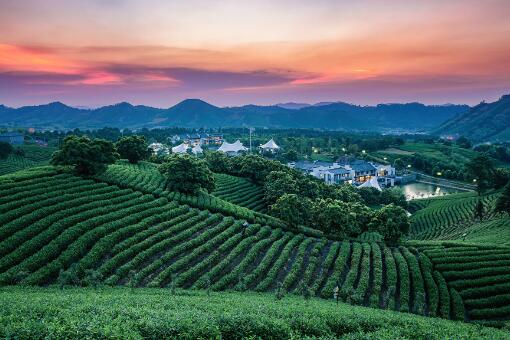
{"x":124,"y":228}
{"x":484,"y":122}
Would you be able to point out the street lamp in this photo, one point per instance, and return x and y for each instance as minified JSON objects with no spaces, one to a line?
{"x":363,"y":152}
{"x":474,"y":181}
{"x":439,"y":173}
{"x":409,"y":166}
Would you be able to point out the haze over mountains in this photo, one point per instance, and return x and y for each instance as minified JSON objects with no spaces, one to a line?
{"x":197,"y":113}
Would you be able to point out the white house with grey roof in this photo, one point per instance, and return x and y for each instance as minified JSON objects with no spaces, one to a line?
{"x":356,"y":172}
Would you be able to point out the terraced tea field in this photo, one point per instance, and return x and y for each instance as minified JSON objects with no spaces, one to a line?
{"x":240,"y":191}
{"x":159,"y":314}
{"x":128,"y":237}
{"x":452,"y":218}
{"x":33,"y":156}
{"x":124,"y":228}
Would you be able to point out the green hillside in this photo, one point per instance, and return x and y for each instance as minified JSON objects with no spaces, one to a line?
{"x":33,"y":155}
{"x":159,"y":314}
{"x":124,"y":228}
{"x":452,"y":218}
{"x":240,"y":191}
{"x":484,"y":122}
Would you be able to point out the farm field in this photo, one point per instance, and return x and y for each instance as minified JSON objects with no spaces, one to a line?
{"x":452,"y":218}
{"x":83,"y":229}
{"x":145,"y":177}
{"x":157,"y":314}
{"x":477,"y":275}
{"x":34,"y":155}
{"x":123,"y":228}
{"x":240,"y":191}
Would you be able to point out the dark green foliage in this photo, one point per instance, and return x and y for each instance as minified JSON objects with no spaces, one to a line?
{"x":5,"y":150}
{"x":186,"y":173}
{"x":278,"y":183}
{"x":87,"y":156}
{"x":394,"y":195}
{"x":293,"y":209}
{"x":479,"y":209}
{"x":340,"y":218}
{"x":503,"y":201}
{"x":390,"y":221}
{"x":132,"y":148}
{"x":463,"y":142}
{"x":481,"y":168}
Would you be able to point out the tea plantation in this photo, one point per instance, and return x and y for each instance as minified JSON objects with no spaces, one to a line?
{"x":122,"y":228}
{"x":162,"y":314}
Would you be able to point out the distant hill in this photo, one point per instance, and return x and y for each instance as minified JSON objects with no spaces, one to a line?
{"x":197,"y":113}
{"x":484,"y":122}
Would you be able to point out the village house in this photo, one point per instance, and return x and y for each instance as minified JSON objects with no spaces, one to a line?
{"x":195,"y":139}
{"x":159,"y":149}
{"x":360,"y":173}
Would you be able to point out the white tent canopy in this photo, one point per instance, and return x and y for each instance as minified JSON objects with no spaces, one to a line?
{"x":232,"y":147}
{"x":270,"y":145}
{"x":181,"y":148}
{"x":197,"y":149}
{"x":372,"y":183}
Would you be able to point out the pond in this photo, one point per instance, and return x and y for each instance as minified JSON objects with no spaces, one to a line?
{"x":422,"y":190}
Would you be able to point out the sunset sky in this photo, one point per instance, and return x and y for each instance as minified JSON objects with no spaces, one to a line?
{"x":159,"y":52}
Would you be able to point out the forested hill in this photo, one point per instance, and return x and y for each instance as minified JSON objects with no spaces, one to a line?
{"x":197,"y":113}
{"x":484,"y":122}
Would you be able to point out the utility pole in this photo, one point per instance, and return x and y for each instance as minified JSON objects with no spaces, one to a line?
{"x":251,"y":130}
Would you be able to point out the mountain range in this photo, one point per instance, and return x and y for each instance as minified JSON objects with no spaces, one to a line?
{"x":485,"y":122}
{"x":197,"y":113}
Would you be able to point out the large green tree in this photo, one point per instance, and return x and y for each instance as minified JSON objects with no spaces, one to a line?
{"x":5,"y":150}
{"x":186,"y":173}
{"x":293,"y":209}
{"x":390,"y":221}
{"x":340,"y":218}
{"x":503,"y":202}
{"x":132,"y":148}
{"x":277,"y":184}
{"x":218,"y":162}
{"x":481,"y":169}
{"x":87,"y":156}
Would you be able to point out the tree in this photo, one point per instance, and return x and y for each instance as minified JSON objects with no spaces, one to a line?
{"x":132,"y":148}
{"x":293,"y":209}
{"x":481,"y":168}
{"x":479,"y":209}
{"x":290,"y":155}
{"x":394,"y":195}
{"x":5,"y":150}
{"x":340,"y":218}
{"x":218,"y":162}
{"x":277,"y":184}
{"x":463,"y":142}
{"x":187,"y":174}
{"x":88,"y":156}
{"x":503,"y":202}
{"x":391,"y":221}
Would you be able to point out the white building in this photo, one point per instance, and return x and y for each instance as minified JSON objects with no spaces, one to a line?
{"x":270,"y":146}
{"x":197,"y":149}
{"x":181,"y":148}
{"x":159,"y":149}
{"x":356,"y":172}
{"x":232,"y":148}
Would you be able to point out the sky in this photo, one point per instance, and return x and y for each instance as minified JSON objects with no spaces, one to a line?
{"x":159,"y":52}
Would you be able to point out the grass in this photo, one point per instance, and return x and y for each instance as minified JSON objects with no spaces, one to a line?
{"x":157,"y":314}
